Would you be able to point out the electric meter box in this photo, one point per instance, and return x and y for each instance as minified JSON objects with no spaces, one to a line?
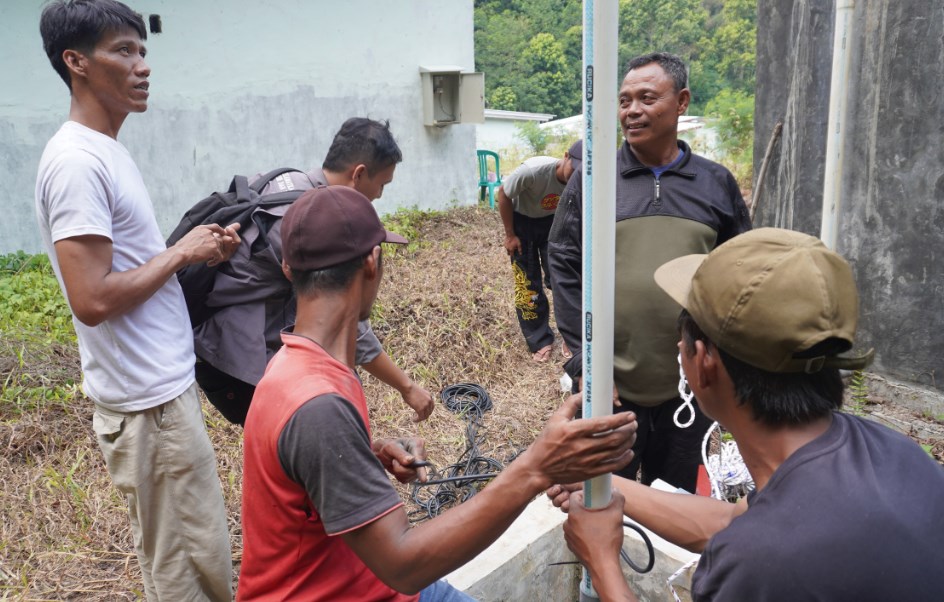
{"x":451,"y":96}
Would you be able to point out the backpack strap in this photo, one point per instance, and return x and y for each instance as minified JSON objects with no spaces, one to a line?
{"x":264,"y":180}
{"x":241,"y":187}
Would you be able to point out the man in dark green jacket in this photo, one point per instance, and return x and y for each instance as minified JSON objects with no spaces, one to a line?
{"x":669,"y":203}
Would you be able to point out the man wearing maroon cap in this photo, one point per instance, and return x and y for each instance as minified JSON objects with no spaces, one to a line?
{"x":321,"y":520}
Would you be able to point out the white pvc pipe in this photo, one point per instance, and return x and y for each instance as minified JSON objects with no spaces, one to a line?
{"x":837,"y":126}
{"x":600,"y":27}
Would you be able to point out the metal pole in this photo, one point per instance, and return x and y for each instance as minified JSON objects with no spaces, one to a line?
{"x":600,"y":26}
{"x":836,"y":129}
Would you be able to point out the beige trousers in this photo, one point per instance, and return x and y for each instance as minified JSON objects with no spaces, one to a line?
{"x":162,"y":461}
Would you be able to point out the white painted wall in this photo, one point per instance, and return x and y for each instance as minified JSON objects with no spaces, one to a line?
{"x":496,"y":134}
{"x":245,"y":86}
{"x":501,"y":128}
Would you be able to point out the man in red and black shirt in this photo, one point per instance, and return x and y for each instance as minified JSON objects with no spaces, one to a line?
{"x":321,"y":521}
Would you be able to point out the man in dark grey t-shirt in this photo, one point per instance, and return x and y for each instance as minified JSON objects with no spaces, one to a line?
{"x":844,"y":508}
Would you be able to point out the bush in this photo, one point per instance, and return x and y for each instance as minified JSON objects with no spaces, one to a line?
{"x":12,"y":263}
{"x":31,"y":302}
{"x":731,"y":113}
{"x":535,"y":137}
{"x":39,"y":361}
{"x":537,"y":141}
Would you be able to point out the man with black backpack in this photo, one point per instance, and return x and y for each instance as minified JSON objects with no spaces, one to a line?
{"x":251,"y":301}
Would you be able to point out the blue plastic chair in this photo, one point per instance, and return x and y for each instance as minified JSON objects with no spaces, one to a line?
{"x":484,"y":182}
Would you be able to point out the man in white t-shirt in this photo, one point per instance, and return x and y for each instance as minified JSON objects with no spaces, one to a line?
{"x":527,"y":200}
{"x":98,"y":226}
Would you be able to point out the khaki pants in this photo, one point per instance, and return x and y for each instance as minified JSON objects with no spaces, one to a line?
{"x":162,"y":461}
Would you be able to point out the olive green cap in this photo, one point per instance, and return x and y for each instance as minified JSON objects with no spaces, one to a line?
{"x":766,"y":296}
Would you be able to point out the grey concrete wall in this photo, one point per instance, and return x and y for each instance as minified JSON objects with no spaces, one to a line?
{"x":892,"y":216}
{"x":246,"y":86}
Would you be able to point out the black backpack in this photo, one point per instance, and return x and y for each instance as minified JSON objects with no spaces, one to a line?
{"x":236,"y":205}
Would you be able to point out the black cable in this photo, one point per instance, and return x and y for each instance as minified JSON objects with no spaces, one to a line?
{"x":461,"y":480}
{"x":466,"y":397}
{"x":647,"y":541}
{"x":457,"y":482}
{"x":624,"y":555}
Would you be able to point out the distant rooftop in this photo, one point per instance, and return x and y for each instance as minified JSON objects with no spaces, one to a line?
{"x":575,"y":123}
{"x":518,"y":115}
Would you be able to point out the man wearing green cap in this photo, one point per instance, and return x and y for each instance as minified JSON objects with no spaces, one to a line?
{"x":844,"y":508}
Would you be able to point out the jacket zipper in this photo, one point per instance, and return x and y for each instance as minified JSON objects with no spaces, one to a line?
{"x":657,"y":199}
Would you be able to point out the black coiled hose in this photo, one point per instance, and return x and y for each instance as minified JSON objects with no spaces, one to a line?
{"x":458,"y":482}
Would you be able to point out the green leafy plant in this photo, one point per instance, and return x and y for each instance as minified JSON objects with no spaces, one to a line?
{"x":38,"y":357}
{"x":731,"y":114}
{"x":14,"y":262}
{"x":30,"y":299}
{"x":858,"y":393}
{"x":535,"y":137}
{"x":407,"y":222}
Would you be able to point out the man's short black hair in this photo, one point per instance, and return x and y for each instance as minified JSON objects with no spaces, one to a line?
{"x":328,"y":280}
{"x":775,"y":398}
{"x":79,"y":25}
{"x":670,"y":63}
{"x":362,"y":141}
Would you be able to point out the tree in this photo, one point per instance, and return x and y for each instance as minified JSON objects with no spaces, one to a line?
{"x":534,"y":48}
{"x":500,"y":40}
{"x":517,"y":47}
{"x":731,"y":114}
{"x":732,"y":48}
{"x":546,"y":81}
{"x":503,"y":98}
{"x":676,"y":26}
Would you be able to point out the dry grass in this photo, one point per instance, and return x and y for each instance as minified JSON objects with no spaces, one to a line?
{"x":444,"y":314}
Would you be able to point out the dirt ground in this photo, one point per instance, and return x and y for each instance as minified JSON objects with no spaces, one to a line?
{"x":444,"y":314}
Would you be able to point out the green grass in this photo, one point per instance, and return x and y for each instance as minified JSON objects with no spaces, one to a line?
{"x":35,"y":329}
{"x":30,"y":300}
{"x":408,"y":221}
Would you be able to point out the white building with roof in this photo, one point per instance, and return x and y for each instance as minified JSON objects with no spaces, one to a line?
{"x":501,"y":128}
{"x":243,"y":86}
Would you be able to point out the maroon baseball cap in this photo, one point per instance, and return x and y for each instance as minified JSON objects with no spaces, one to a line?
{"x":330,"y":225}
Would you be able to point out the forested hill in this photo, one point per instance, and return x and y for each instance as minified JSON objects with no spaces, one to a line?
{"x":531,"y":50}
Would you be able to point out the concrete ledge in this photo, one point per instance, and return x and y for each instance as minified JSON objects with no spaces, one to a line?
{"x":516,"y":566}
{"x":929,"y":402}
{"x":654,"y":585}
